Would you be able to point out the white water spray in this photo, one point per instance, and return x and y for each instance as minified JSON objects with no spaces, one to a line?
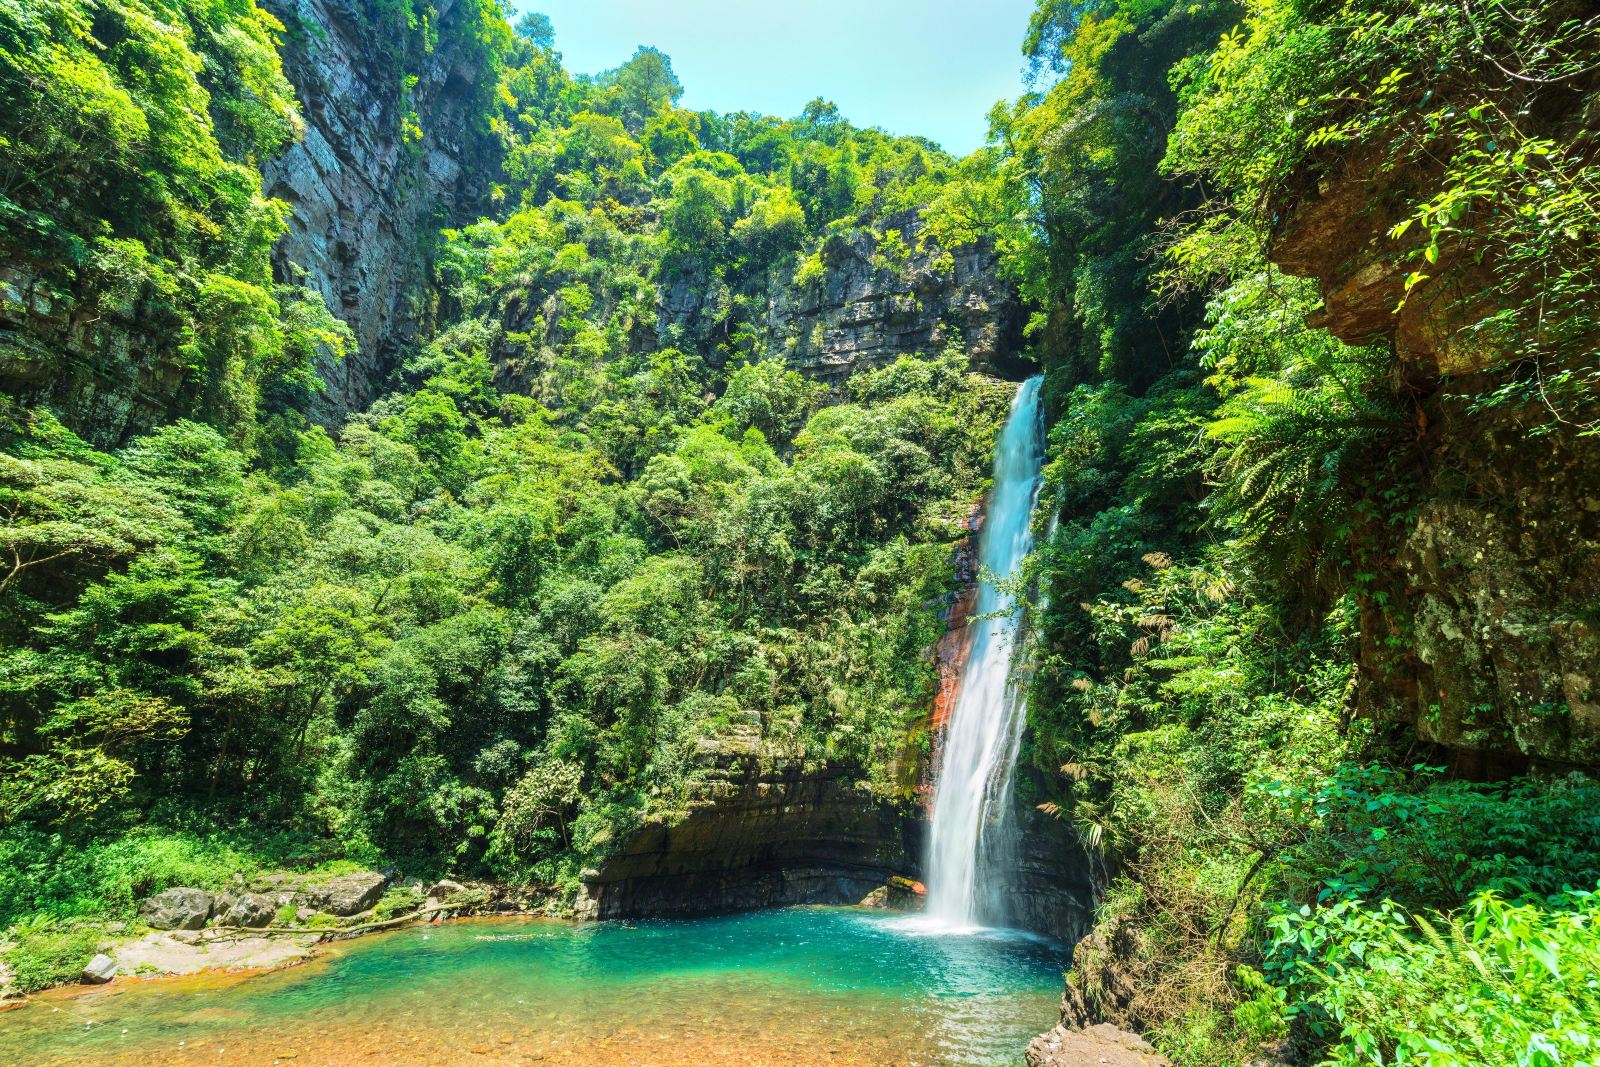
{"x":970,"y":837}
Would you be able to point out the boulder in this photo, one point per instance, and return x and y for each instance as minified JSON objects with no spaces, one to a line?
{"x":878,"y":898}
{"x":251,"y":909}
{"x":179,"y":908}
{"x":99,"y":970}
{"x":443,"y":890}
{"x":347,"y":894}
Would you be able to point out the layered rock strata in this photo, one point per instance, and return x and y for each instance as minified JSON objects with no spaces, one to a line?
{"x":366,"y":199}
{"x":105,"y":361}
{"x":762,"y":831}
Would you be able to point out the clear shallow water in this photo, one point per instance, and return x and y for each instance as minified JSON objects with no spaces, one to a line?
{"x":798,"y":986}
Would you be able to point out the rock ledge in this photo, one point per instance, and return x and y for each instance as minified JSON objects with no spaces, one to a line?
{"x":1102,"y":1044}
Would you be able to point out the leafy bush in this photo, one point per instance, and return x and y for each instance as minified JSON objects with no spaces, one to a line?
{"x":47,"y":952}
{"x":1494,"y":984}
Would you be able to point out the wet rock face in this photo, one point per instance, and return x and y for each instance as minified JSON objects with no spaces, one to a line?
{"x":765,"y":832}
{"x":1484,"y":639}
{"x":363,"y":199}
{"x":869,"y":310}
{"x":1499,"y":588}
{"x":1048,"y":888}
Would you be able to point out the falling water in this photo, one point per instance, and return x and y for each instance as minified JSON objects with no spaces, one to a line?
{"x":970,"y":835}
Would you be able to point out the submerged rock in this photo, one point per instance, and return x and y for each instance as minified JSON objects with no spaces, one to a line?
{"x":180,"y":908}
{"x":347,"y":894}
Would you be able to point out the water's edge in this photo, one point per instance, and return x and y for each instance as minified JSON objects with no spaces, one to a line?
{"x":840,"y":986}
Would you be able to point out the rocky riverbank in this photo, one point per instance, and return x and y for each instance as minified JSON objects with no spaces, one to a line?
{"x":278,"y":920}
{"x":271,"y":921}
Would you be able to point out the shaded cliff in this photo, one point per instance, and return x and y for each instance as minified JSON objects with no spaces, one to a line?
{"x":1480,"y":631}
{"x":380,"y":169}
{"x":101,"y":357}
{"x":762,"y":831}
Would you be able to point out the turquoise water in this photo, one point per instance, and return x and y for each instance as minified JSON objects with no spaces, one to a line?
{"x":837,"y":986}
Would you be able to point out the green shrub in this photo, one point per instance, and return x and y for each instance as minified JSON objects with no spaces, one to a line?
{"x":1494,"y":984}
{"x":48,"y":952}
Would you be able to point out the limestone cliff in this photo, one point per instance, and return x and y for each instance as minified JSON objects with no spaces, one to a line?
{"x":366,"y":200}
{"x":763,"y":830}
{"x":1485,"y":637}
{"x":875,"y":300}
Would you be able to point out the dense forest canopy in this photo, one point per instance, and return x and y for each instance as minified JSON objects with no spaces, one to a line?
{"x":1311,"y":283}
{"x":478,"y":626}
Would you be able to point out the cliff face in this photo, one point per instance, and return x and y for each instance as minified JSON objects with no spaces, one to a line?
{"x":1486,"y":640}
{"x":869,"y":309}
{"x":763,"y":831}
{"x":104,"y":360}
{"x":366,"y":200}
{"x":873,"y":302}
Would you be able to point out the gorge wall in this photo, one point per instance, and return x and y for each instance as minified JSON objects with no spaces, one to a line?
{"x":873,"y":299}
{"x":1485,"y":639}
{"x":366,"y":197}
{"x":763,"y":831}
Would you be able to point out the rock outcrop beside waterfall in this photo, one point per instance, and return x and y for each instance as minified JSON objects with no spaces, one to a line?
{"x":866,"y":310}
{"x":763,"y":830}
{"x":1494,"y":580}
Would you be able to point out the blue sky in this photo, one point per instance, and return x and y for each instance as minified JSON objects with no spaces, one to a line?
{"x":928,"y":67}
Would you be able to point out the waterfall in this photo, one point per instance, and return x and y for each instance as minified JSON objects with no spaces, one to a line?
{"x":970,"y":837}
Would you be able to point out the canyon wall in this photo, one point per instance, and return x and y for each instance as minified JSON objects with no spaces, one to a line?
{"x":763,"y":830}
{"x":1484,"y":639}
{"x":367,"y":199}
